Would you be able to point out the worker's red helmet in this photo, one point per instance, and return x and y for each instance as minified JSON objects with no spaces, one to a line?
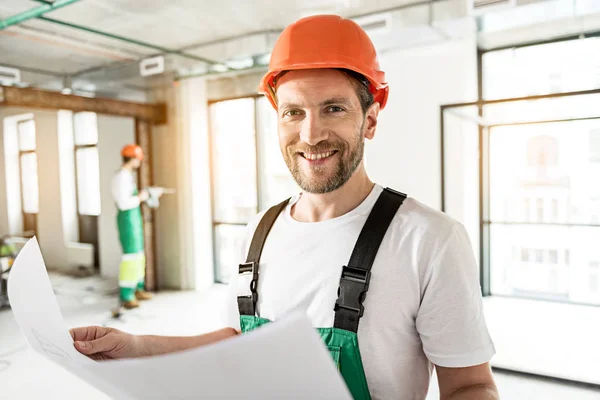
{"x":325,"y":41}
{"x":132,"y":151}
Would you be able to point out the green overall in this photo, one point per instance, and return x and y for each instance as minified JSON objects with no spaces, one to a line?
{"x":341,"y":339}
{"x":133,"y":262}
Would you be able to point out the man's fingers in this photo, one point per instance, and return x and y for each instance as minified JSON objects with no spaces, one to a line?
{"x":88,"y":333}
{"x":95,"y":346}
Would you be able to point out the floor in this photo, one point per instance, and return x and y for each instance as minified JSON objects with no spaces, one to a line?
{"x":88,"y":301}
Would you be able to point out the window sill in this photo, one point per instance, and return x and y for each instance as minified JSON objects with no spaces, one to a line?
{"x":545,"y":338}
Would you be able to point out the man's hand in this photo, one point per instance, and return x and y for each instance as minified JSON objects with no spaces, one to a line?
{"x":144,"y":195}
{"x":101,"y":343}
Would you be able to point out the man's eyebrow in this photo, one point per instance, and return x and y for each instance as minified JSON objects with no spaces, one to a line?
{"x":327,"y":102}
{"x":289,"y":105}
{"x":336,"y":100}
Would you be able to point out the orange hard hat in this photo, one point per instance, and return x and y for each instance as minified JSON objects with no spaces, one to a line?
{"x":132,"y":151}
{"x":325,"y":41}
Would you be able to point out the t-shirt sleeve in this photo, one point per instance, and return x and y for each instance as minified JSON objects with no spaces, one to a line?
{"x":122,"y":190}
{"x":450,"y":319}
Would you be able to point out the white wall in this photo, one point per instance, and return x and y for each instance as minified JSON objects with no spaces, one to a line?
{"x":57,"y":227}
{"x":56,"y":220}
{"x":49,"y":219}
{"x":195,"y":150}
{"x":183,"y":221}
{"x":167,"y":165}
{"x":113,"y":134}
{"x":405,"y":153}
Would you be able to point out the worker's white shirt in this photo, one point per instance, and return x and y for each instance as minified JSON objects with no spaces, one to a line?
{"x":423,"y":305}
{"x":123,"y":187}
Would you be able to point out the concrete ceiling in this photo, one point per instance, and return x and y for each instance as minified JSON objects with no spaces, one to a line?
{"x":227,"y":32}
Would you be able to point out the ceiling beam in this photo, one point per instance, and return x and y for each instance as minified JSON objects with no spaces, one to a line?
{"x":34,"y":13}
{"x":35,"y":98}
{"x":34,"y":70}
{"x":130,"y":41}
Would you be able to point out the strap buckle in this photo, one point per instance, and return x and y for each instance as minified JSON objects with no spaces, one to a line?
{"x":248,"y":269}
{"x":354,"y":284}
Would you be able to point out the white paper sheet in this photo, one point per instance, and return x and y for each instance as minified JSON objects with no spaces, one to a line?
{"x":284,"y":360}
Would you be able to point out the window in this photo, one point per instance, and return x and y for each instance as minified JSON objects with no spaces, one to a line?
{"x":28,"y":168}
{"x":539,"y":206}
{"x":549,"y":68}
{"x":248,"y":173}
{"x":595,"y":145}
{"x":542,"y":151}
{"x":553,"y":256}
{"x":594,"y":277}
{"x":554,"y":210}
{"x":87,"y":167}
{"x":542,"y":154}
{"x":539,"y":256}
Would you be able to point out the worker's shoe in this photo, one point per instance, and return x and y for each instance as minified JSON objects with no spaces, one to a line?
{"x":143,"y":295}
{"x":131,"y":304}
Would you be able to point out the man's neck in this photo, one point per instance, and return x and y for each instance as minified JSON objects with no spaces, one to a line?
{"x":127,"y":168}
{"x":320,"y":207}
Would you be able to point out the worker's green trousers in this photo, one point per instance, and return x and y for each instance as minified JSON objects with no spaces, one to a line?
{"x":132,"y":270}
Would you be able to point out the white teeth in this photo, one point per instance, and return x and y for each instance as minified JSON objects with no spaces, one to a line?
{"x":319,"y":156}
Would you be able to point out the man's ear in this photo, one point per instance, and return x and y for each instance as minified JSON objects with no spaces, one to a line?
{"x":371,"y":117}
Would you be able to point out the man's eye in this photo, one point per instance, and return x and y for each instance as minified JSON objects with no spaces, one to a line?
{"x":292,"y":113}
{"x":335,"y":109}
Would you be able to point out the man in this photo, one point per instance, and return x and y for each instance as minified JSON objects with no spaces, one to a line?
{"x":408,"y":298}
{"x":132,"y":270}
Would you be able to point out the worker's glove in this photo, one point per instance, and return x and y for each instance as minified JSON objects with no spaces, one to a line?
{"x":153,"y":202}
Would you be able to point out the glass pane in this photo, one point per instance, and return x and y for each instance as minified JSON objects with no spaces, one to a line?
{"x":552,"y":109}
{"x":276,"y":182}
{"x":234,"y":160}
{"x":29,"y":183}
{"x":88,"y":181}
{"x":86,"y":128}
{"x":229,"y":240}
{"x":461,"y":169}
{"x":563,"y":265}
{"x":26,"y":135}
{"x":542,"y":173}
{"x":548,"y":68}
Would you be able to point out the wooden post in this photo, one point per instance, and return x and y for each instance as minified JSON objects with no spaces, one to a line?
{"x":143,"y":133}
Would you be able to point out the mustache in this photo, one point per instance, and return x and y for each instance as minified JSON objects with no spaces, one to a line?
{"x":321,"y":147}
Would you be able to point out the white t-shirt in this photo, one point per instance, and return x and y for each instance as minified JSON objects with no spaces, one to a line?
{"x":123,"y":187}
{"x":423,"y":305}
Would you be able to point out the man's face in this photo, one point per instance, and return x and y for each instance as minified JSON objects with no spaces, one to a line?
{"x":322,"y":128}
{"x":135,"y":163}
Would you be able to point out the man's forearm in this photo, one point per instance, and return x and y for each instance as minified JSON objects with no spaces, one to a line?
{"x":479,"y":392}
{"x":154,"y":345}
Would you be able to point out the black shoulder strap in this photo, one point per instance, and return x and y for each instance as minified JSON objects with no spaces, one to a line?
{"x":248,"y":271}
{"x":354,"y":282}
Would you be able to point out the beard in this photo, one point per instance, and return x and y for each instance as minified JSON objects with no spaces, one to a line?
{"x":319,"y":179}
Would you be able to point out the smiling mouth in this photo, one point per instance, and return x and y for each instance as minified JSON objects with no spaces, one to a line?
{"x":317,"y":156}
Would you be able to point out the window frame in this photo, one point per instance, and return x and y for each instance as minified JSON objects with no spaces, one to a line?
{"x":212,"y":164}
{"x":484,"y":166}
